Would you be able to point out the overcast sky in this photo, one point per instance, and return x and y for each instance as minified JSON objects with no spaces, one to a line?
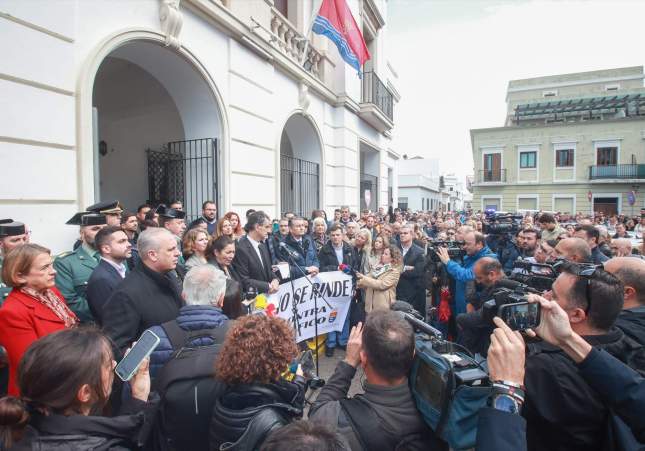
{"x":455,"y":58}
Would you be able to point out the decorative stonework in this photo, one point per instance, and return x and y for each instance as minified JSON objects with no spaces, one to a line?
{"x":171,"y":22}
{"x":304,"y":99}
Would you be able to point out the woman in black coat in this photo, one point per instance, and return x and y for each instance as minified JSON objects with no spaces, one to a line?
{"x":65,"y":380}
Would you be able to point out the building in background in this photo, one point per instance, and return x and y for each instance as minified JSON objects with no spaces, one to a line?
{"x":570,"y":143}
{"x":156,"y":100}
{"x":454,"y":188}
{"x":418,"y":182}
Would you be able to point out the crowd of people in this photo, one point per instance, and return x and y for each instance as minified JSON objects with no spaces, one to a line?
{"x":64,"y":321}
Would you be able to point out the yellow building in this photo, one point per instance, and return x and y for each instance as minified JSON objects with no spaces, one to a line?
{"x":570,"y":143}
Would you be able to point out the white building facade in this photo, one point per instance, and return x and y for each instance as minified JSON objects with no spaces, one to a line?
{"x":151,"y":101}
{"x":419,"y":184}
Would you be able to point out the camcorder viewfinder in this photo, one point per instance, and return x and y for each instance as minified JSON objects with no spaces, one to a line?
{"x":521,"y":315}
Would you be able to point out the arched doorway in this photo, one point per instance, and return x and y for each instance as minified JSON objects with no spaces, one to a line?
{"x":157,"y":129}
{"x":300,"y":166}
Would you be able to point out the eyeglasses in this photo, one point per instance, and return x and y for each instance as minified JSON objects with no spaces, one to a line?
{"x":587,"y":273}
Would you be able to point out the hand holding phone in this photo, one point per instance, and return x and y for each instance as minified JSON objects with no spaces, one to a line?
{"x":129,"y":365}
{"x":520,"y":315}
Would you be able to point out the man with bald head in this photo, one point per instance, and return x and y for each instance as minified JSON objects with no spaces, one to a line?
{"x":574,"y":250}
{"x":631,"y":272}
{"x":621,"y":247}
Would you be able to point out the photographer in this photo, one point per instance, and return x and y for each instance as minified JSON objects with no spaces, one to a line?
{"x":386,"y":415}
{"x":473,"y":329}
{"x":562,"y":411}
{"x":475,"y":247}
{"x":511,"y":252}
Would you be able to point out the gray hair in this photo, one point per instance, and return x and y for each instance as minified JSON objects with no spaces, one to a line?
{"x":150,"y":240}
{"x":320,"y":220}
{"x":204,"y":285}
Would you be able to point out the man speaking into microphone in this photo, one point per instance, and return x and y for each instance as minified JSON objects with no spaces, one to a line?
{"x":299,"y":250}
{"x":336,"y":255}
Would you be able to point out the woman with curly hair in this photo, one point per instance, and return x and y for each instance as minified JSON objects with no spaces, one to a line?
{"x":319,"y":234}
{"x":234,"y":218}
{"x":194,"y":246}
{"x":256,"y":351}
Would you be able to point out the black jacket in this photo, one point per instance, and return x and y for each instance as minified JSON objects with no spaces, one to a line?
{"x":81,"y":433}
{"x":329,"y":262}
{"x":235,"y":409}
{"x":632,"y":323}
{"x":411,"y":287}
{"x":144,"y":299}
{"x":562,"y":411}
{"x":102,"y":283}
{"x":394,"y":406}
{"x":253,"y":272}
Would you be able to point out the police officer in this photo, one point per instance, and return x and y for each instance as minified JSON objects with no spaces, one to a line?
{"x":112,"y":210}
{"x":12,"y":235}
{"x":174,"y":221}
{"x":73,"y":269}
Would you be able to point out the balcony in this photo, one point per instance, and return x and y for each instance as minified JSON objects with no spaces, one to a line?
{"x":491,"y":176}
{"x":617,"y":171}
{"x":377,"y":103}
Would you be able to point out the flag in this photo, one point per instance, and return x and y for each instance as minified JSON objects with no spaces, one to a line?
{"x":335,"y":21}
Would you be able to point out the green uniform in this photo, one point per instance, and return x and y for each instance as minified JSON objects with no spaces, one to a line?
{"x":73,"y":270}
{"x":4,"y":289}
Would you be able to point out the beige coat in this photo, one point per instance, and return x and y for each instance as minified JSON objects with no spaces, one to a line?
{"x":380,"y":292}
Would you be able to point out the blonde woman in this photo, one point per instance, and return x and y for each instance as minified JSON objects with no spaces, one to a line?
{"x":363,"y":246}
{"x":380,"y":283}
{"x":224,"y":227}
{"x":380,"y":243}
{"x":195,"y":243}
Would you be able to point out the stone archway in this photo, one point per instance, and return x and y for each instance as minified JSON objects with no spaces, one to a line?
{"x":300,"y":166}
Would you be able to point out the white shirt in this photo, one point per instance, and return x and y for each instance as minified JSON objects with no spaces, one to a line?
{"x":339,"y":253}
{"x":405,"y":249}
{"x":256,"y":246}
{"x":119,"y":267}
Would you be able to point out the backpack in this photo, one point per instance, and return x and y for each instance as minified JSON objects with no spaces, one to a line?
{"x":188,"y":389}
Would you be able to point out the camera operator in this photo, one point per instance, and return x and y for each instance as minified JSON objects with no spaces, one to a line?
{"x":511,"y":251}
{"x":473,"y":329}
{"x":501,"y":428}
{"x":592,"y":236}
{"x":561,"y":410}
{"x":475,"y":247}
{"x":574,"y":250}
{"x":386,"y":415}
{"x":631,"y":272}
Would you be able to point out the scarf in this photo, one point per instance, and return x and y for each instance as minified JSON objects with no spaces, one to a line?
{"x":57,"y":305}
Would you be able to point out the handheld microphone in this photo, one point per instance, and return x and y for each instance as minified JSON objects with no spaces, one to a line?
{"x":347,"y":269}
{"x":288,"y":250}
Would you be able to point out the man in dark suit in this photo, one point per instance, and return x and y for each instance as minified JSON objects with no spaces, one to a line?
{"x":252,"y":260}
{"x":411,"y":284}
{"x":149,"y":295}
{"x":115,"y":248}
{"x":301,"y":248}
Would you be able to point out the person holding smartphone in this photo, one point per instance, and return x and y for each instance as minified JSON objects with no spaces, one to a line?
{"x":65,"y":381}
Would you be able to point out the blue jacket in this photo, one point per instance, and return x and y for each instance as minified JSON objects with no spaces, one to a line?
{"x":464,"y":274}
{"x":191,"y":318}
{"x":307,"y":255}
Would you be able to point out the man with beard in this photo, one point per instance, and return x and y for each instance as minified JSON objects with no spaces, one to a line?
{"x":73,"y":269}
{"x":209,"y":216}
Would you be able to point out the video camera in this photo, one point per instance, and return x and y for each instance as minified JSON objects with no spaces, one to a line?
{"x":449,"y":386}
{"x":500,"y":223}
{"x":508,"y":291}
{"x":455,"y":250}
{"x":539,"y":276}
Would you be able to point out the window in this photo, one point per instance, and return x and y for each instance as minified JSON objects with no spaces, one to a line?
{"x":403,"y":203}
{"x":527,"y":160}
{"x":606,"y":156}
{"x":282,"y":6}
{"x":612,"y":87}
{"x":492,"y":167}
{"x":564,"y":158}
{"x":550,"y":93}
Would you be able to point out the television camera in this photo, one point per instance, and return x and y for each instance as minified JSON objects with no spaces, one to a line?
{"x":455,"y":249}
{"x":539,"y":276}
{"x":501,"y":223}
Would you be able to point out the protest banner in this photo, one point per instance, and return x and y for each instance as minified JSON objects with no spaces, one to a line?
{"x":335,"y":287}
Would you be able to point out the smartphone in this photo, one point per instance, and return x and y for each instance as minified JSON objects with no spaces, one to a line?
{"x":520,"y":316}
{"x":142,"y":349}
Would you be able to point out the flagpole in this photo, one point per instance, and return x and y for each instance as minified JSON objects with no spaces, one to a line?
{"x":316,"y":8}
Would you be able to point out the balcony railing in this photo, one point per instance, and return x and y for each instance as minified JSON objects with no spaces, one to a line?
{"x":617,"y":171}
{"x":292,"y":44}
{"x":491,"y":175}
{"x":376,"y":93}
